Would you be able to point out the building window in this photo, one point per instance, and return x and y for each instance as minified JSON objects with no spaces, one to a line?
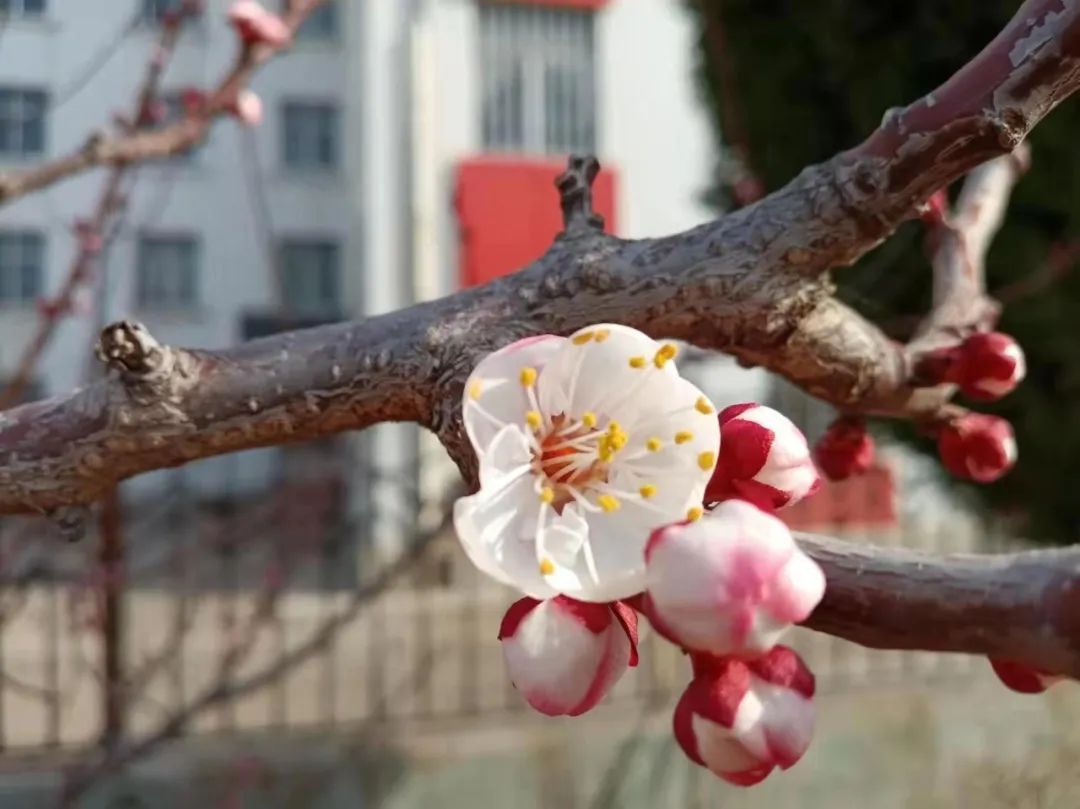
{"x":22,"y":8}
{"x":22,"y":122}
{"x":538,"y":79}
{"x":154,"y":10}
{"x":310,"y":275}
{"x":310,"y":135}
{"x":321,"y":25}
{"x":22,"y":263}
{"x":166,"y":270}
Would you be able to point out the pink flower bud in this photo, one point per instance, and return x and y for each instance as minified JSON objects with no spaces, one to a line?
{"x":988,"y":366}
{"x":729,"y":583}
{"x":763,"y":457}
{"x":1023,"y":678}
{"x":255,"y":25}
{"x":247,"y":108}
{"x":565,"y":655}
{"x":977,"y":447}
{"x":845,"y":450}
{"x":742,"y":719}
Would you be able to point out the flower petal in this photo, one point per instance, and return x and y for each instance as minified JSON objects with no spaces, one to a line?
{"x":491,"y":525}
{"x":494,"y":395}
{"x":563,"y":537}
{"x":592,"y":372}
{"x":507,"y":454}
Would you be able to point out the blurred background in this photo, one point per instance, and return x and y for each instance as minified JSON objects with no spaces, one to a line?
{"x":295,"y":626}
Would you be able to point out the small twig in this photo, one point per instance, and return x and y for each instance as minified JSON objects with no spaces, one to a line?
{"x":140,"y":145}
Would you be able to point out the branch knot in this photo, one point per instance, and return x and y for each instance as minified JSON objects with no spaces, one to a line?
{"x":127,"y":347}
{"x":575,"y":195}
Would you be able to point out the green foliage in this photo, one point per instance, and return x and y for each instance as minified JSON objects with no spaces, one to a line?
{"x":813,"y":78}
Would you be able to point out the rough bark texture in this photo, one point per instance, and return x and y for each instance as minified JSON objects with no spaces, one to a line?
{"x":1016,"y":606}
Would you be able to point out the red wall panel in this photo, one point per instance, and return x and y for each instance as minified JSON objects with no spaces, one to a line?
{"x":508,"y":213}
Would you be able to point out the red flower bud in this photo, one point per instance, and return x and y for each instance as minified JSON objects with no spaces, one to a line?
{"x":977,"y":447}
{"x":845,"y":450}
{"x":988,"y":366}
{"x":743,"y":718}
{"x":1022,"y":678}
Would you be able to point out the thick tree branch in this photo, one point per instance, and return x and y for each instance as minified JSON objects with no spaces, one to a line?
{"x":1016,"y":606}
{"x":140,"y":145}
{"x":752,"y":283}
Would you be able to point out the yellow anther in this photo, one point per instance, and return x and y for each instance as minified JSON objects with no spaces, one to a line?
{"x":602,"y":334}
{"x":654,"y":445}
{"x":683,"y":436}
{"x":706,"y":460}
{"x":582,"y":339}
{"x":666,"y":352}
{"x":534,"y":420}
{"x":694,"y":513}
{"x":547,"y":567}
{"x":527,"y":377}
{"x":638,"y":362}
{"x":608,"y":502}
{"x":475,"y":389}
{"x":703,"y":407}
{"x":547,"y":495}
{"x":589,"y":420}
{"x":647,"y":491}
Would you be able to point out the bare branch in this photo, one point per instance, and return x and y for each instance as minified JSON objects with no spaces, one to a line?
{"x":140,"y":145}
{"x":959,"y":243}
{"x":1017,"y":606}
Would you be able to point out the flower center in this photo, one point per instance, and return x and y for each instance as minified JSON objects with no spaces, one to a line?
{"x":573,"y":455}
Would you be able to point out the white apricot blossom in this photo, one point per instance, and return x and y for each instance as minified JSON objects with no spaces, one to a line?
{"x":586,"y":444}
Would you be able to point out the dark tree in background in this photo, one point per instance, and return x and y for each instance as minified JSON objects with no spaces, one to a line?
{"x":792,"y":83}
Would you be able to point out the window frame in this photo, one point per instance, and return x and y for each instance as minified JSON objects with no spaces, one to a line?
{"x":332,"y":8}
{"x":21,"y":13}
{"x":149,"y":240}
{"x":330,"y":307}
{"x":39,"y":240}
{"x":294,"y":104}
{"x":20,"y":94}
{"x":529,"y":55}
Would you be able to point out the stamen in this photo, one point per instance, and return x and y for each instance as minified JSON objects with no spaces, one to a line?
{"x":647,"y":491}
{"x":580,"y":499}
{"x":638,"y":362}
{"x":475,"y":389}
{"x":703,"y":407}
{"x":706,"y":460}
{"x":654,"y":445}
{"x":582,"y":339}
{"x":534,"y":420}
{"x":602,"y":334}
{"x":588,"y":419}
{"x":527,"y":377}
{"x":683,"y":436}
{"x":547,"y":567}
{"x":695,"y":513}
{"x":665,"y":353}
{"x":547,"y":495}
{"x":608,"y":502}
